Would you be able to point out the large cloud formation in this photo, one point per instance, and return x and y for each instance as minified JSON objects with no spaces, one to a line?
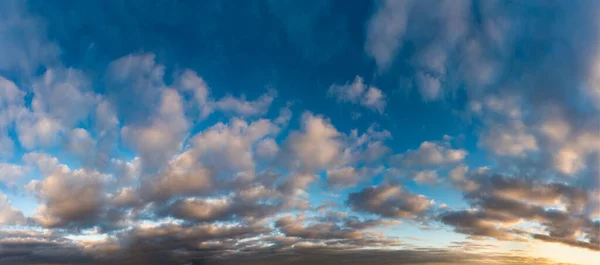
{"x":156,"y":166}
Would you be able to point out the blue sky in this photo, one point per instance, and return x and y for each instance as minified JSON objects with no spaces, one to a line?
{"x":454,"y":126}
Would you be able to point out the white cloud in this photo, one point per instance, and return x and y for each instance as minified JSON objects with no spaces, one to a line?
{"x":429,"y":154}
{"x":23,"y":42}
{"x":504,"y":140}
{"x":374,"y":99}
{"x":158,"y":141}
{"x":358,"y":93}
{"x":127,"y":171}
{"x":38,"y":130}
{"x":11,"y":103}
{"x":190,"y":81}
{"x":315,"y":147}
{"x":184,"y":175}
{"x":11,"y":173}
{"x":8,"y":214}
{"x":385,"y":31}
{"x":267,"y":148}
{"x":430,"y":87}
{"x":342,"y":177}
{"x":458,"y":177}
{"x":80,"y":142}
{"x":64,"y":95}
{"x":245,"y":108}
{"x":426,"y":177}
{"x":106,"y":118}
{"x":229,"y":148}
{"x":134,"y":86}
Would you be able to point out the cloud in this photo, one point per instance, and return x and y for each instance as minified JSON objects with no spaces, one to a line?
{"x":252,"y":204}
{"x":426,"y":177}
{"x":430,"y":87}
{"x":11,"y":173}
{"x":160,"y":171}
{"x":162,"y":138}
{"x":68,"y":197}
{"x":24,"y":45}
{"x":172,"y":244}
{"x":349,"y":176}
{"x":230,"y":148}
{"x":358,"y":93}
{"x":8,"y":214}
{"x":499,"y":203}
{"x":317,"y":146}
{"x":385,"y":31}
{"x":244,"y":108}
{"x":267,"y":148}
{"x":182,"y":176}
{"x":389,"y":200}
{"x":430,"y":154}
{"x":11,"y":104}
{"x":63,"y":94}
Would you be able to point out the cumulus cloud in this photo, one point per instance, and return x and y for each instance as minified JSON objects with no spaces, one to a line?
{"x":11,"y":173}
{"x":349,"y":176}
{"x":430,"y":154}
{"x":161,"y":171}
{"x":359,"y":93}
{"x":8,"y":214}
{"x":245,"y":108}
{"x":68,"y":197}
{"x":389,"y":200}
{"x":426,"y":177}
{"x":161,"y":139}
{"x":316,"y":146}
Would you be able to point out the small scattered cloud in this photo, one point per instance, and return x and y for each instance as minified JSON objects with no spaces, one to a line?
{"x":358,"y":92}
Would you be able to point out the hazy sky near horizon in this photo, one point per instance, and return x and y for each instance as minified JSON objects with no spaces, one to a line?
{"x":299,"y":132}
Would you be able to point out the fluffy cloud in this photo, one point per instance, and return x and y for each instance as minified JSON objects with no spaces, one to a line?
{"x":162,"y":138}
{"x":169,"y":174}
{"x":359,"y":93}
{"x":244,"y":108}
{"x":430,"y":154}
{"x":24,"y":46}
{"x":388,"y":200}
{"x":8,"y":214}
{"x":182,"y":176}
{"x":349,"y":176}
{"x":11,"y":173}
{"x":254,"y":203}
{"x":68,"y":197}
{"x":230,"y":148}
{"x":316,"y":146}
{"x":426,"y":177}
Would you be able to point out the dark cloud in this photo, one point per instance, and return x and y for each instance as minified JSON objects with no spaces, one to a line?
{"x":500,"y":202}
{"x":161,"y":248}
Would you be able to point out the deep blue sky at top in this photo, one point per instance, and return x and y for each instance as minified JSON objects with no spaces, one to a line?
{"x":298,"y":48}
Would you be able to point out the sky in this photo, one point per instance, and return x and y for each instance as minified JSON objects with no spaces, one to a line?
{"x":299,"y":132}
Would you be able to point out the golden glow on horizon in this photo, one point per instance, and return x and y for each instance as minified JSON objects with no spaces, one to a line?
{"x":563,"y":253}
